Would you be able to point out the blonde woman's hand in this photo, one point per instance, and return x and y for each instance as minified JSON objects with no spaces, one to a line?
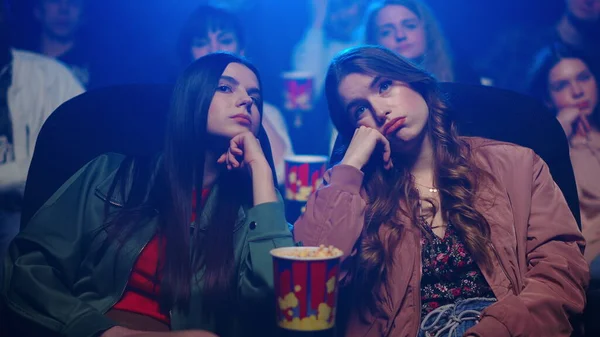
{"x":364,"y":142}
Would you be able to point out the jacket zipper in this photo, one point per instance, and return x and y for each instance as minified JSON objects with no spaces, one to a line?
{"x":512,"y":286}
{"x":128,"y":276}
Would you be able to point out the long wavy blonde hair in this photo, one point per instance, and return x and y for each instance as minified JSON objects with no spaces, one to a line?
{"x":392,"y":194}
{"x":437,"y":58}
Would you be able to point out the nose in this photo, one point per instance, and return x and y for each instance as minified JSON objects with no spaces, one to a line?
{"x":400,"y":35}
{"x":245,"y":101}
{"x":381,"y":114}
{"x":213,"y":47}
{"x":577,"y":90}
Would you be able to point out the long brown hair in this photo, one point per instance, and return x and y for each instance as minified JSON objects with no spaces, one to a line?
{"x":392,"y":194}
{"x":437,"y":58}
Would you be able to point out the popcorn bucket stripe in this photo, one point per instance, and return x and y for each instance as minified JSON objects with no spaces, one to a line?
{"x":300,"y":286}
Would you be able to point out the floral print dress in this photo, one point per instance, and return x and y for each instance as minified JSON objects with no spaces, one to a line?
{"x":449,"y":272}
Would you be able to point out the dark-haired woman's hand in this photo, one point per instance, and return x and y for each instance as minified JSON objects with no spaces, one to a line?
{"x":364,"y":142}
{"x":573,"y":122}
{"x":583,"y":126}
{"x":245,"y":152}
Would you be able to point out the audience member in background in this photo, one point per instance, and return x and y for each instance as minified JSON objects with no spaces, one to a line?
{"x":31,"y":87}
{"x":334,"y":27}
{"x":564,"y":81}
{"x":509,"y":61}
{"x":210,"y":29}
{"x":178,"y":241}
{"x":409,"y":28}
{"x":60,"y":22}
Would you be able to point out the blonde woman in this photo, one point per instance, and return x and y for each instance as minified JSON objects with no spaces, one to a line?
{"x":409,"y":28}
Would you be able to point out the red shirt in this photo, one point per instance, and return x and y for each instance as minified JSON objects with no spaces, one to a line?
{"x":142,"y":293}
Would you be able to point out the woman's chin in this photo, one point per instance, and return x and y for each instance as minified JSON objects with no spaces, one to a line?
{"x":230,"y":133}
{"x":401,"y":136}
{"x":405,"y":141}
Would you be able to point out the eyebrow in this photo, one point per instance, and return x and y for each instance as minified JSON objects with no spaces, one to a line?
{"x":230,"y":79}
{"x":387,"y":25}
{"x":357,"y":101}
{"x":404,"y":21}
{"x":583,"y":72}
{"x":410,"y":20}
{"x":374,"y":82}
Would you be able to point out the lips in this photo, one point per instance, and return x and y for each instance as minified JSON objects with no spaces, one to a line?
{"x":243,"y":119}
{"x":393,"y":125}
{"x":583,"y":105}
{"x":403,"y":47}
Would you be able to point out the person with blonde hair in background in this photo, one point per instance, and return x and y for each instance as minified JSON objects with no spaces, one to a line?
{"x":409,"y":28}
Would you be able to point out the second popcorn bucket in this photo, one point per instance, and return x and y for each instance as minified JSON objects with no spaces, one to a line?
{"x":303,"y":175}
{"x":306,"y":287}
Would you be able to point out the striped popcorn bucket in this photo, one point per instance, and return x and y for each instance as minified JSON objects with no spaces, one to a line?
{"x":305,"y":288}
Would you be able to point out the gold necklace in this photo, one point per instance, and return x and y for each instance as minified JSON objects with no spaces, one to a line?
{"x":431,"y":189}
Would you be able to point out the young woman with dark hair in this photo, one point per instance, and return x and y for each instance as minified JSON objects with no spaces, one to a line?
{"x":179,"y":241}
{"x":443,"y":235}
{"x":563,"y":80}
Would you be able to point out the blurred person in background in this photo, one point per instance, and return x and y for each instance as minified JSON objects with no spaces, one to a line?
{"x":60,"y":23}
{"x":210,"y":29}
{"x":565,"y":83}
{"x":335,"y":26}
{"x":512,"y":55}
{"x":31,"y":87}
{"x":410,"y":28}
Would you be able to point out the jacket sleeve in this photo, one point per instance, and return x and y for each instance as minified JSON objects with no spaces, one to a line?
{"x":41,"y":265}
{"x":335,"y":213}
{"x":557,"y":274}
{"x":267,"y":229}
